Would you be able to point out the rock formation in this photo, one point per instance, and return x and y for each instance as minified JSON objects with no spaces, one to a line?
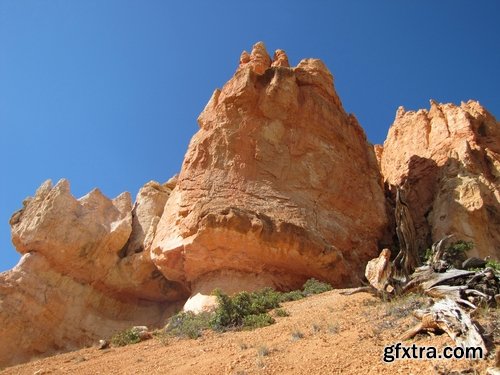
{"x":78,"y":281}
{"x":278,"y":185}
{"x":448,"y":161}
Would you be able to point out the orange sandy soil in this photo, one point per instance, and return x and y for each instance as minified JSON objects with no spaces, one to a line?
{"x":341,"y":335}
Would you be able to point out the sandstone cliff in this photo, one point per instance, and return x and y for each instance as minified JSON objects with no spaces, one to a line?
{"x":448,"y":160}
{"x":278,"y":185}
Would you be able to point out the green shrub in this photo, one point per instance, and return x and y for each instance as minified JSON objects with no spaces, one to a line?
{"x":310,"y":287}
{"x":294,"y":295}
{"x":126,"y":337}
{"x":459,"y":248}
{"x":281,"y":312}
{"x":257,"y":321}
{"x":187,"y":324}
{"x":495,"y":264}
{"x":265,"y":300}
{"x":454,"y":254}
{"x":427,"y":255}
{"x":313,"y":286}
{"x":244,"y":309}
{"x":225,"y":315}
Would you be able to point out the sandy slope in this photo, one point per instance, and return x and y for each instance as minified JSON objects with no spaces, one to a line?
{"x":341,"y":335}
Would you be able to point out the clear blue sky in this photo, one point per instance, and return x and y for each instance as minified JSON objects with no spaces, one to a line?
{"x":106,"y":93}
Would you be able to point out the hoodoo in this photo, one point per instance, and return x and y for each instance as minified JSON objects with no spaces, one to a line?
{"x":278,"y":185}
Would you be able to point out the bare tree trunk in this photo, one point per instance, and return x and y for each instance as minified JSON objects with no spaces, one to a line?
{"x":407,"y":259}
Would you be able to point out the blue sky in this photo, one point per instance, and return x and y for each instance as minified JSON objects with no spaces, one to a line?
{"x":106,"y":93}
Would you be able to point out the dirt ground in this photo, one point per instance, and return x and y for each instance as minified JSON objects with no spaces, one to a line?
{"x":324,"y":334}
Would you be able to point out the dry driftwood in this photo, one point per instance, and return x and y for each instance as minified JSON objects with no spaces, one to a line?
{"x":447,"y":316}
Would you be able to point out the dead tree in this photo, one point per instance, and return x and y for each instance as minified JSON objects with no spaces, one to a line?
{"x":407,"y":259}
{"x":447,"y":316}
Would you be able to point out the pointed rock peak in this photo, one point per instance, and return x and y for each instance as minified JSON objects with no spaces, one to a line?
{"x":44,"y":188}
{"x":123,"y":202}
{"x":280,"y":59}
{"x":62,"y":186}
{"x":433,"y":103}
{"x":400,"y":112}
{"x":258,"y":59}
{"x":244,"y":58}
{"x":436,"y":109}
{"x":93,"y":196}
{"x":312,"y":65}
{"x":259,"y":50}
{"x":315,"y":72}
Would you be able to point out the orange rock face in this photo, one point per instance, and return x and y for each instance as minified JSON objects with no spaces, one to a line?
{"x":448,"y":160}
{"x":278,"y":185}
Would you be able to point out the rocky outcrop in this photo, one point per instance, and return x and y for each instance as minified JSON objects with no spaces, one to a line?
{"x":278,"y":185}
{"x":77,"y":281}
{"x":448,"y":161}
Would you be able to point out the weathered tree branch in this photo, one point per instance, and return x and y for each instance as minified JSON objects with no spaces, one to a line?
{"x":407,"y":259}
{"x":447,"y":316}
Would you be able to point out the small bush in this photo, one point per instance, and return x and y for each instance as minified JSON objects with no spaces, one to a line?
{"x":243,"y":345}
{"x":493,"y":264}
{"x":313,"y":286}
{"x":334,"y":328}
{"x":257,"y":321}
{"x":459,"y":248}
{"x":427,"y":255}
{"x":244,"y":309}
{"x":404,"y":305}
{"x":294,"y":295}
{"x":297,"y":335}
{"x":126,"y":337}
{"x":225,"y":315}
{"x":162,"y":336}
{"x":315,"y":328}
{"x":187,"y":324}
{"x":281,"y":313}
{"x":454,"y":254}
{"x":263,"y":351}
{"x":265,"y":300}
